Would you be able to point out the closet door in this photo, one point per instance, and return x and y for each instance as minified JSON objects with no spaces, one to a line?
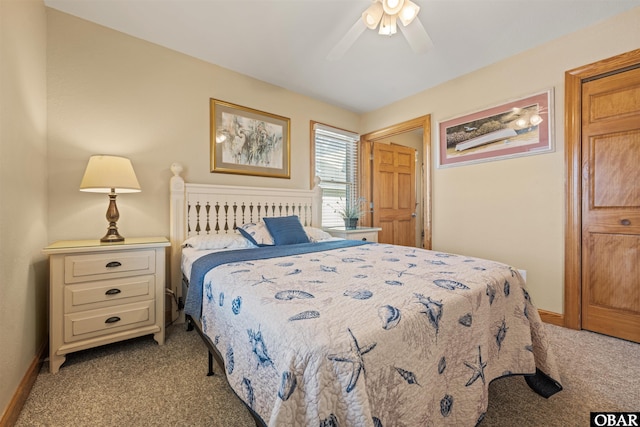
{"x":611,"y":205}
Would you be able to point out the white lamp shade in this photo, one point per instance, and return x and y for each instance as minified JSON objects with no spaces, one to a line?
{"x":372,"y":15}
{"x":535,"y":119}
{"x":521,"y":123}
{"x":392,"y":7}
{"x":106,"y":172}
{"x":408,"y":12}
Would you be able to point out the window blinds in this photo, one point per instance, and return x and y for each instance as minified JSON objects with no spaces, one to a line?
{"x":336,"y":159}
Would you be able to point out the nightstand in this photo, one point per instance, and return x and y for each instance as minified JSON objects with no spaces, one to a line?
{"x":103,"y":293}
{"x":369,"y":234}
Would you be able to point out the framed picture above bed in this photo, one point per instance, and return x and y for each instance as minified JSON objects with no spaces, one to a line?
{"x":516,"y":128}
{"x":249,"y":142}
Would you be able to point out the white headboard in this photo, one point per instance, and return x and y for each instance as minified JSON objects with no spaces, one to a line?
{"x":210,"y":209}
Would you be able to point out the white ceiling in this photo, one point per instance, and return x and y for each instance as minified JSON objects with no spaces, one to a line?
{"x":285,"y":42}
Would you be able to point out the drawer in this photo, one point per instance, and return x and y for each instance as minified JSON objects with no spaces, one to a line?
{"x":104,"y":293}
{"x":369,"y":236}
{"x":104,"y":321}
{"x":108,"y":265}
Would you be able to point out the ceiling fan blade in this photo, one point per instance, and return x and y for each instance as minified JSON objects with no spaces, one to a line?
{"x":345,"y":42}
{"x":417,"y":36}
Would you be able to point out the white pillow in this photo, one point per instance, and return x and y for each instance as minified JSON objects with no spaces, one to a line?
{"x":218,"y":241}
{"x":257,"y":233}
{"x":316,"y":234}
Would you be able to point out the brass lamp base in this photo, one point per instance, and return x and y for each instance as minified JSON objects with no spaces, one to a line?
{"x":112,"y":235}
{"x":113,"y":215}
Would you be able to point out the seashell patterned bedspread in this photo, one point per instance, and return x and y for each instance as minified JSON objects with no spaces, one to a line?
{"x":373,"y":335}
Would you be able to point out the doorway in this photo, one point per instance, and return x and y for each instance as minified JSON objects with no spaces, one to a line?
{"x":602,"y":240}
{"x":394,"y":187}
{"x":421,"y":127}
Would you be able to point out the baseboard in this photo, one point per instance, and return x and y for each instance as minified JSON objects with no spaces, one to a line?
{"x":551,"y":317}
{"x":11,"y":414}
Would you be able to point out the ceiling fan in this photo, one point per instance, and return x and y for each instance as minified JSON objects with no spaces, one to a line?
{"x":386,"y":13}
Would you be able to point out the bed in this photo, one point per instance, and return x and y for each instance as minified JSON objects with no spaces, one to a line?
{"x":334,"y":332}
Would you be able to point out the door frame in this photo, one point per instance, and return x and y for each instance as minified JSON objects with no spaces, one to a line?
{"x":424,"y":123}
{"x":573,"y":185}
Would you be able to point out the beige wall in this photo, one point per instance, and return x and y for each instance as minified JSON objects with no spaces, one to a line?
{"x":115,"y":94}
{"x":511,"y":210}
{"x":23,"y":190}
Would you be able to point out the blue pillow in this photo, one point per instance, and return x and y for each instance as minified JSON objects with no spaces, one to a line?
{"x":286,"y":230}
{"x":257,"y":234}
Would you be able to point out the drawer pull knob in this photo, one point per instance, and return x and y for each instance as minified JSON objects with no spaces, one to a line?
{"x":625,"y":222}
{"x":113,"y":264}
{"x":364,"y":239}
{"x":114,"y":291}
{"x":113,"y":319}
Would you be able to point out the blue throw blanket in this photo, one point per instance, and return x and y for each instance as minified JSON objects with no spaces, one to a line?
{"x":193,"y":303}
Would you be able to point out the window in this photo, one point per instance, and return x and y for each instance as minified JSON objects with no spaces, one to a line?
{"x":336,"y":163}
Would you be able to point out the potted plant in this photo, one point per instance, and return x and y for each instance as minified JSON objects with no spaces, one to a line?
{"x":351,"y":211}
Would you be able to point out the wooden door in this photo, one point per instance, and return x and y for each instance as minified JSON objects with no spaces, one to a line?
{"x":394,"y":193}
{"x":611,"y":205}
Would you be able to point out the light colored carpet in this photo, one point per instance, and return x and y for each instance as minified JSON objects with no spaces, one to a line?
{"x":136,"y":383}
{"x":139,"y":383}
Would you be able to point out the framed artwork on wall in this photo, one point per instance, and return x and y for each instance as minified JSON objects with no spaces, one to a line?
{"x":249,"y":142}
{"x":517,"y":128}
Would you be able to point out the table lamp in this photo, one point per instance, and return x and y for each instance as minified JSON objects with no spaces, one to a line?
{"x":110,"y":174}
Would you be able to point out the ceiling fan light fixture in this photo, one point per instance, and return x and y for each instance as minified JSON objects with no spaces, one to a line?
{"x":388,"y":25}
{"x":383,"y":15}
{"x":392,"y":7}
{"x":372,"y":15}
{"x":408,"y":12}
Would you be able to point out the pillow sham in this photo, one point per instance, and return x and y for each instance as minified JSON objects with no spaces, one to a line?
{"x":286,"y":230}
{"x":316,"y":234}
{"x":218,"y":241}
{"x":256,"y":233}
